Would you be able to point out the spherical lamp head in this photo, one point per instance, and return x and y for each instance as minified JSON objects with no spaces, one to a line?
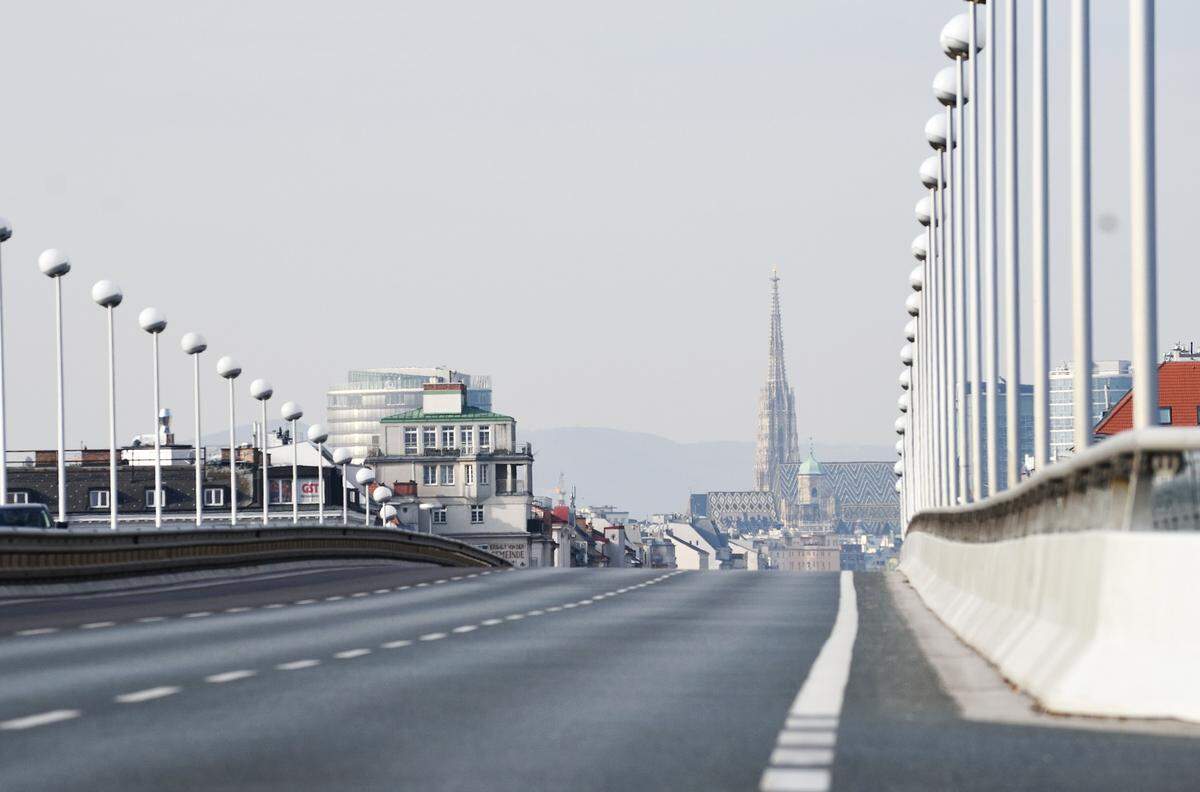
{"x":341,"y":456}
{"x":910,"y":330}
{"x":906,"y":354}
{"x":193,"y":343}
{"x":900,"y":448}
{"x":381,"y":494}
{"x":905,"y":379}
{"x":317,"y":433}
{"x":900,"y":425}
{"x":290,"y":411}
{"x":152,"y":320}
{"x":916,"y":278}
{"x":936,"y":133}
{"x":913,"y":304}
{"x":898,"y":468}
{"x":929,"y":173}
{"x":902,"y":402}
{"x":924,"y":211}
{"x":920,"y":248}
{"x":5,"y":229}
{"x":898,"y":488}
{"x":228,"y":368}
{"x":945,"y":87}
{"x":261,"y":390}
{"x":364,"y":476}
{"x":388,"y":513}
{"x":107,"y":294}
{"x":956,"y":37}
{"x":54,"y":263}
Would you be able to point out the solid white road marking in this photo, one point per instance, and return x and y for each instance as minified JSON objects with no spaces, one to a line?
{"x":38,"y":631}
{"x":229,"y":676}
{"x":149,"y":694}
{"x":97,"y":625}
{"x":350,"y":654}
{"x":466,"y":628}
{"x":812,"y":721}
{"x":296,"y":665}
{"x":40,"y":719}
{"x":397,"y":644}
{"x":432,"y":636}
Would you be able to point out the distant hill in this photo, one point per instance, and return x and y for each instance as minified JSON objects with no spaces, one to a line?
{"x":645,"y":473}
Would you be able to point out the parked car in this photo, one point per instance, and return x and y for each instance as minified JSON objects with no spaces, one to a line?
{"x":25,"y":515}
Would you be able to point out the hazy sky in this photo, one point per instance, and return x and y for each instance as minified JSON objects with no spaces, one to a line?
{"x":582,"y":199}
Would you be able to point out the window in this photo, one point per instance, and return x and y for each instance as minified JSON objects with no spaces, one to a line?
{"x":214,"y":496}
{"x":438,"y":515}
{"x":162,"y":494}
{"x":1164,"y":416}
{"x":447,"y":437}
{"x":476,"y":515}
{"x":447,"y":476}
{"x":430,"y":436}
{"x":410,"y":439}
{"x":466,"y":438}
{"x":98,"y":499}
{"x":429,"y":474}
{"x":468,"y":474}
{"x":18,"y":497}
{"x":485,"y":438}
{"x":483,"y":473}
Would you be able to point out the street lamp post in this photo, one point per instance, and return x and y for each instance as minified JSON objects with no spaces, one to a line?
{"x":291,"y":412}
{"x":1143,"y":214}
{"x":938,"y":134}
{"x":5,"y":235}
{"x":1012,"y":272}
{"x":54,"y":264}
{"x":342,"y":456}
{"x":317,"y":435}
{"x":193,"y":344}
{"x":381,"y":495}
{"x":261,"y":391}
{"x":991,"y":285}
{"x":1041,"y":244}
{"x":365,"y":477}
{"x":153,"y":322}
{"x":1081,"y":220}
{"x":931,"y":178}
{"x":229,"y":370}
{"x":108,"y":296}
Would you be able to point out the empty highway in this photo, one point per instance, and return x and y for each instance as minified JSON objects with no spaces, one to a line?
{"x":386,"y":677}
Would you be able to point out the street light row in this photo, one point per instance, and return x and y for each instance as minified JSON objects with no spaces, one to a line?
{"x":108,"y":295}
{"x":951,"y":380}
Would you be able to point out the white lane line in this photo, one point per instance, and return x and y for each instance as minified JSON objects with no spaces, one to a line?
{"x":486,"y":573}
{"x":149,"y":694}
{"x":239,"y":609}
{"x":274,"y":605}
{"x":439,"y":581}
{"x":350,"y":654}
{"x":397,"y":644}
{"x":229,"y":676}
{"x":358,"y":594}
{"x":457,"y":577}
{"x":473,"y":575}
{"x":403,"y":588}
{"x":422,"y":585}
{"x":432,"y":636}
{"x":197,"y":615}
{"x":491,"y":622}
{"x":334,"y":598}
{"x":569,"y":605}
{"x":296,"y":665}
{"x":40,"y":719}
{"x":37,"y":631}
{"x":304,"y":602}
{"x":553,"y":609}
{"x":812,"y":721}
{"x":466,"y":628}
{"x":97,"y":625}
{"x":534,"y":613}
{"x":585,"y":602}
{"x":514,"y":617}
{"x":151,"y":619}
{"x":382,"y":591}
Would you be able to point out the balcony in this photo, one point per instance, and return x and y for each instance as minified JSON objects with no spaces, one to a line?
{"x":512,"y":487}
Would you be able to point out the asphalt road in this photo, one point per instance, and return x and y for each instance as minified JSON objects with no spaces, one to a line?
{"x":379,"y":677}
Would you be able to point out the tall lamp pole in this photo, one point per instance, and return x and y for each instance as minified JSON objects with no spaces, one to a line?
{"x":1041,"y":245}
{"x":291,"y":412}
{"x":229,"y":370}
{"x":1143,"y":214}
{"x":1012,"y":271}
{"x":54,"y":264}
{"x":5,"y":235}
{"x":317,"y":435}
{"x":153,"y":322}
{"x":1081,"y":220}
{"x":937,"y":133}
{"x":365,"y":478}
{"x":382,"y":495}
{"x":261,"y":391}
{"x":108,"y":296}
{"x":193,"y":344}
{"x":341,"y":456}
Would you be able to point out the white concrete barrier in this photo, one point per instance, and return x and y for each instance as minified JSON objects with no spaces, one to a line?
{"x":1091,"y":622}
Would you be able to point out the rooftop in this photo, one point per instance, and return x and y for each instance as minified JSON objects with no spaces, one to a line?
{"x":467,"y":414}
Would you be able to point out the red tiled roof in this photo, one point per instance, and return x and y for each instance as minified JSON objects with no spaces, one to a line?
{"x":1178,"y":388}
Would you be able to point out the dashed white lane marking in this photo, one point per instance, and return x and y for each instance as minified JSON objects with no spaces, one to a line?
{"x":304,"y":602}
{"x":151,"y":619}
{"x":466,"y":628}
{"x":438,"y":581}
{"x":553,"y":609}
{"x":397,"y":644}
{"x":804,"y":752}
{"x":358,"y":594}
{"x":40,"y":719}
{"x":491,"y":622}
{"x":473,"y":575}
{"x":457,"y":577}
{"x":149,"y":694}
{"x":296,"y":665}
{"x":37,"y":631}
{"x":382,"y":591}
{"x":569,"y":605}
{"x":422,"y":585}
{"x":350,"y":654}
{"x":239,"y":609}
{"x":197,"y":615}
{"x":334,"y":598}
{"x":230,"y":676}
{"x":514,"y":617}
{"x":486,"y":573}
{"x":403,"y":588}
{"x":534,"y":613}
{"x":436,"y":636}
{"x":97,"y":625}
{"x":274,"y":605}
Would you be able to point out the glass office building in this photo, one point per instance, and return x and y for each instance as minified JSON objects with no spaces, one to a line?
{"x":1111,"y":379}
{"x":1024,"y":430}
{"x":354,"y":408}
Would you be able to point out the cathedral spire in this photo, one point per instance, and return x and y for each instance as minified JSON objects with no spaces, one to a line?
{"x":777,"y":443}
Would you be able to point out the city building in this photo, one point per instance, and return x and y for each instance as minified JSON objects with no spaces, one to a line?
{"x":1111,"y":379}
{"x":1024,"y":430}
{"x":354,"y":408}
{"x":1178,"y":399}
{"x":463,"y":474}
{"x":777,"y":443}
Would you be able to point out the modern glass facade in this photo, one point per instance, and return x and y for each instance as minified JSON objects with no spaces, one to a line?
{"x":354,"y":409}
{"x":1024,"y":429}
{"x":1111,"y":379}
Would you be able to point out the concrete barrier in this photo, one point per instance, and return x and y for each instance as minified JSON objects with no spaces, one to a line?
{"x":44,"y":556}
{"x":1065,"y":585}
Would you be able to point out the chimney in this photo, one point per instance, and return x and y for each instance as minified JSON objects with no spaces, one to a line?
{"x":443,"y":398}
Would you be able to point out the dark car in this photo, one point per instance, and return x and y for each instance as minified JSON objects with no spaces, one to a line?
{"x":25,"y":515}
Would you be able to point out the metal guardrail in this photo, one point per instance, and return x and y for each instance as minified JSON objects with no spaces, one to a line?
{"x":27,"y":556}
{"x":1148,"y":479}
